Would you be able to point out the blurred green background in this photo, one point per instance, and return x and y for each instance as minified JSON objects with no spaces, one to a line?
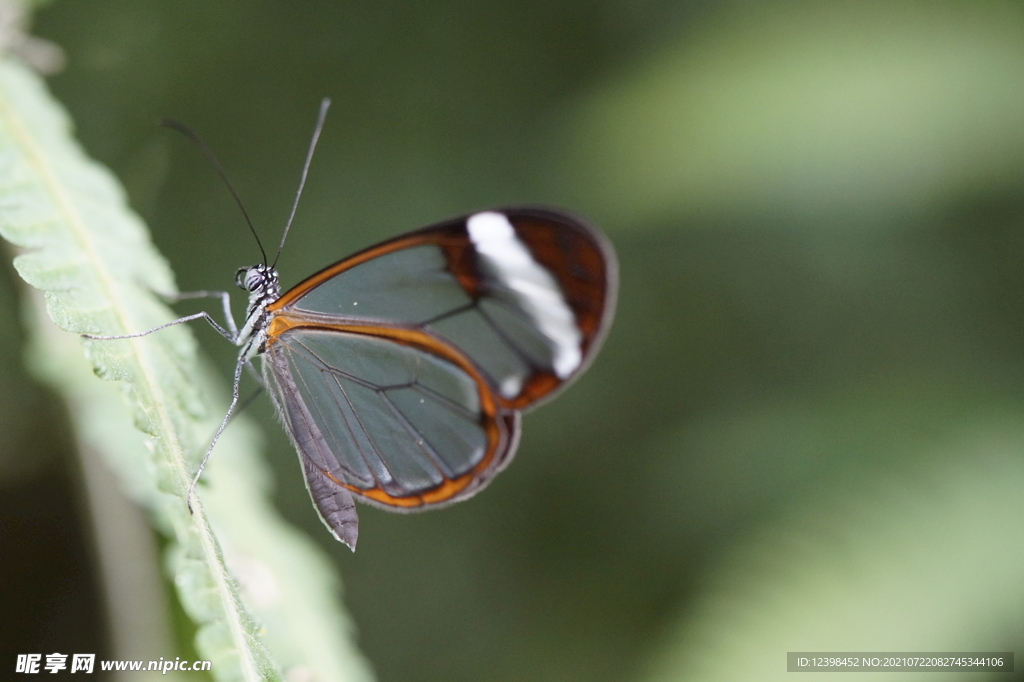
{"x":805,"y":430}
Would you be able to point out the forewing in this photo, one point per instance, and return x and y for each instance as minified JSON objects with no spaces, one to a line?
{"x":389,"y":419}
{"x":525,"y":294}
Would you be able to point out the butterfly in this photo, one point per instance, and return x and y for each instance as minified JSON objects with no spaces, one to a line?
{"x":400,"y":373}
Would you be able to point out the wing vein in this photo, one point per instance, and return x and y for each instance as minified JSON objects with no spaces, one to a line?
{"x":420,"y":440}
{"x":362,"y":426}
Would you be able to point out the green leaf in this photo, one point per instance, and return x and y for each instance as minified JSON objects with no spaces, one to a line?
{"x":250,"y":583}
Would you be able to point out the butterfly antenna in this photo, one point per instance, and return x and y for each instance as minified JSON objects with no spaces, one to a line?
{"x":324,"y":104}
{"x":201,"y":146}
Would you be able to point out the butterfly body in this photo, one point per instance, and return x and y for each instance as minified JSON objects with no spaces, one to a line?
{"x":263,"y":284}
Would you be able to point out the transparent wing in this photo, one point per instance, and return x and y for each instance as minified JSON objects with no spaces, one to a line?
{"x":395,"y":421}
{"x":525,"y":294}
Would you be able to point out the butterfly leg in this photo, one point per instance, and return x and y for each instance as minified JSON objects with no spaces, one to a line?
{"x":231,"y":333}
{"x":225,"y":302}
{"x":255,"y":394}
{"x":188,"y":318}
{"x":242,"y":361}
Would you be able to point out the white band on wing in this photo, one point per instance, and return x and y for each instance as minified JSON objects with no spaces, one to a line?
{"x":537,"y":292}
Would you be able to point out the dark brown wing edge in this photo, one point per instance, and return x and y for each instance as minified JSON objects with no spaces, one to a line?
{"x":583,"y":262}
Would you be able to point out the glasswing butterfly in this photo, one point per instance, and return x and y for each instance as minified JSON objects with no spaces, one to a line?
{"x":400,"y":373}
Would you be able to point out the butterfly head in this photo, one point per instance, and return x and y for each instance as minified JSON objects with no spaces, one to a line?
{"x":258,"y":279}
{"x":263,"y":286}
